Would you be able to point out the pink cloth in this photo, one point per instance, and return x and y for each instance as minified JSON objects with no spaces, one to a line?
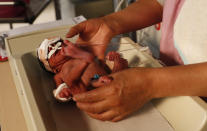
{"x":168,"y":53}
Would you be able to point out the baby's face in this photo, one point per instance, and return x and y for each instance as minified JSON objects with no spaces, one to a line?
{"x":56,"y":56}
{"x":50,"y":54}
{"x":57,"y":60}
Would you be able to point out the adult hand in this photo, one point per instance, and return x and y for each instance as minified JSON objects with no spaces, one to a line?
{"x":127,"y":92}
{"x":95,"y":33}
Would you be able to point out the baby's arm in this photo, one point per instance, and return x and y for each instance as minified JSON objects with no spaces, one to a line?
{"x":70,"y":75}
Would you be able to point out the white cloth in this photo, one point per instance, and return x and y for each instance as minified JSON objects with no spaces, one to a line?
{"x":190,"y":31}
{"x":45,"y":45}
{"x":57,"y":91}
{"x":161,"y":2}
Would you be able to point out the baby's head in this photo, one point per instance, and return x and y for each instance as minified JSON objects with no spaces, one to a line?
{"x":50,"y":54}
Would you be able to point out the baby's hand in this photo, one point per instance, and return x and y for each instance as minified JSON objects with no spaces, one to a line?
{"x":62,"y":93}
{"x":65,"y":93}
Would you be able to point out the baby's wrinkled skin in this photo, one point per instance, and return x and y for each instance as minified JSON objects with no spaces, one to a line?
{"x":76,"y":67}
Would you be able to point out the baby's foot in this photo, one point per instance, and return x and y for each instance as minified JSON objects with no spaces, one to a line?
{"x":115,"y":62}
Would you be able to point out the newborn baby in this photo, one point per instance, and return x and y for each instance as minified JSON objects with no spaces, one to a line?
{"x":75,"y":68}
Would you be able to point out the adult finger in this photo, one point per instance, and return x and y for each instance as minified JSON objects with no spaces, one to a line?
{"x":77,"y":29}
{"x":100,"y":54}
{"x":66,"y":42}
{"x":95,"y":95}
{"x":119,"y":117}
{"x":73,"y":51}
{"x":106,"y":116}
{"x":103,"y":80}
{"x":96,"y":107}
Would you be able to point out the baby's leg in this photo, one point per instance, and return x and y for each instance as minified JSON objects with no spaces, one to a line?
{"x":70,"y":74}
{"x":77,"y":53}
{"x":72,"y":71}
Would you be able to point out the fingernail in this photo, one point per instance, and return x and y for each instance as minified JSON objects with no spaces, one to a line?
{"x":74,"y":98}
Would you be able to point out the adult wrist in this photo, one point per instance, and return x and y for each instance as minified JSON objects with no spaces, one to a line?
{"x":145,"y":78}
{"x":156,"y":78}
{"x":112,"y":24}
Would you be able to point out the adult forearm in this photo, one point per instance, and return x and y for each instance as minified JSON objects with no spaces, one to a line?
{"x":189,"y":80}
{"x":138,"y":15}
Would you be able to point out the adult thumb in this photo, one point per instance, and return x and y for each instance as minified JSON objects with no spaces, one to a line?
{"x":75,"y":30}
